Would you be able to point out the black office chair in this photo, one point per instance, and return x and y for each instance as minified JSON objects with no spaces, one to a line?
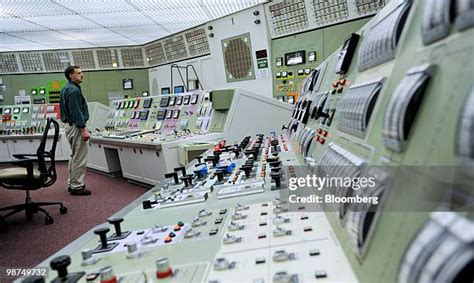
{"x":31,"y":178}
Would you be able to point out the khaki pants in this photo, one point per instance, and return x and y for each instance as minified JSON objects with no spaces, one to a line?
{"x":78,"y":160}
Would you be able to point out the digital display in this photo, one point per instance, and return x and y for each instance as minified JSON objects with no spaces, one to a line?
{"x":295,"y":58}
{"x":127,"y":84}
{"x":179,"y":89}
{"x":261,"y":54}
{"x":8,"y":111}
{"x":186,"y":100}
{"x":175,"y":114}
{"x":143,"y":115}
{"x":311,"y":56}
{"x":169,"y":113}
{"x":194,"y":98}
{"x":179,"y":100}
{"x":278,"y":75}
{"x":147,"y":102}
{"x":26,"y":110}
{"x":164,"y":101}
{"x":165,"y":90}
{"x":16,"y":110}
{"x":172,"y":101}
{"x":161,"y":114}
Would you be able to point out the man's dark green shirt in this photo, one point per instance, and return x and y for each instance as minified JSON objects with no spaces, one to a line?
{"x":73,"y":105}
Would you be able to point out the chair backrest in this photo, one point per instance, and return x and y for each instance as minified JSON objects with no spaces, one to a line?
{"x":48,"y":172}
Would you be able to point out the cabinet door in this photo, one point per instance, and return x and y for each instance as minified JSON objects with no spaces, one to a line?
{"x":5,"y":151}
{"x":154,"y":166}
{"x":96,"y":158}
{"x":132,"y":163}
{"x":26,"y":146}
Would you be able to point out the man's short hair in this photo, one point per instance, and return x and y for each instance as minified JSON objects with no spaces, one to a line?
{"x":69,"y":71}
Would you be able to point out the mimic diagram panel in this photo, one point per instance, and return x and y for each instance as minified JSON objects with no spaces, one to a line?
{"x":27,"y":118}
{"x":295,"y":57}
{"x":186,"y":112}
{"x":237,"y":52}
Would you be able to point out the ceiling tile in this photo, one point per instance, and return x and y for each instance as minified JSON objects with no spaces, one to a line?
{"x":131,"y":18}
{"x":63,"y":22}
{"x":6,"y":39}
{"x":90,"y":34}
{"x":25,"y":8}
{"x":70,"y":44}
{"x":94,"y":6}
{"x":44,"y":36}
{"x":28,"y":46}
{"x":179,"y":15}
{"x":11,"y":24}
{"x":112,"y":42}
{"x":152,"y":31}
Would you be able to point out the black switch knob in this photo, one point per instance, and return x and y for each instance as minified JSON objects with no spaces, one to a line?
{"x":247,"y":170}
{"x":182,"y":169}
{"x":116,"y":222}
{"x":60,"y":264}
{"x":102,"y":232}
{"x":275,"y":163}
{"x":199,"y":158}
{"x":212,"y":159}
{"x":174,"y":175}
{"x":220,"y":175}
{"x":276,"y":177}
{"x":190,"y":177}
{"x":185,"y":179}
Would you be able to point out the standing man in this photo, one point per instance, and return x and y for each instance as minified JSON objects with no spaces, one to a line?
{"x":74,"y":115}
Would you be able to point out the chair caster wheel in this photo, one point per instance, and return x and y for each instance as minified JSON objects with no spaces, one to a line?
{"x":48,"y":220}
{"x":63,"y":210}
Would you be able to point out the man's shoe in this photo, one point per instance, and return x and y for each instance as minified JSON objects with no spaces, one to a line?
{"x":81,"y":192}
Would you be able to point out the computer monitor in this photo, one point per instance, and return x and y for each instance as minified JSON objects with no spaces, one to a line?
{"x":179,"y":89}
{"x":165,"y":90}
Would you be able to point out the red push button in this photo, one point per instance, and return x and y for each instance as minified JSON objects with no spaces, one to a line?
{"x":342,"y":82}
{"x":321,"y":140}
{"x":324,"y":133}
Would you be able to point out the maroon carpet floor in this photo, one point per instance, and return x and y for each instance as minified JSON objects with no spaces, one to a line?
{"x":26,"y":244}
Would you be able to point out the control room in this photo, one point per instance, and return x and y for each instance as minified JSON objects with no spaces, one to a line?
{"x":220,"y":141}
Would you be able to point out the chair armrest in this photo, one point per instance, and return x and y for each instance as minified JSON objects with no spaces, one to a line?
{"x":28,"y":164}
{"x":23,"y":156}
